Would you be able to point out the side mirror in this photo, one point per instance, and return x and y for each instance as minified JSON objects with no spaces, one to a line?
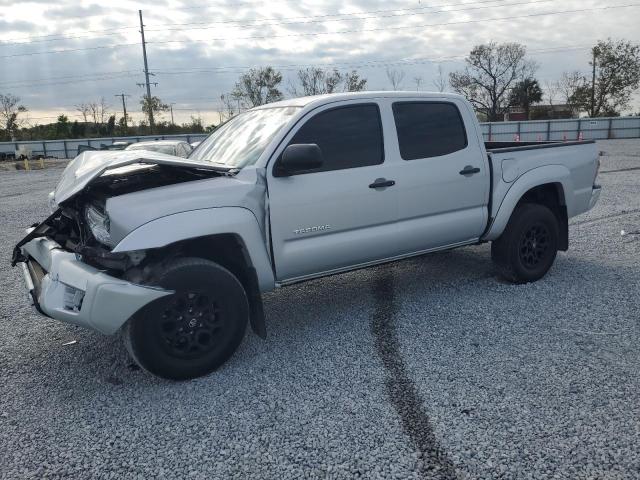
{"x":300,"y":157}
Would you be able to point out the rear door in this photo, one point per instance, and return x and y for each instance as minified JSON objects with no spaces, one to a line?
{"x":443,"y":177}
{"x":334,"y":217}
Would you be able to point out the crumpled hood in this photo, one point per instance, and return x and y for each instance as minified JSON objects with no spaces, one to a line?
{"x":91,"y":164}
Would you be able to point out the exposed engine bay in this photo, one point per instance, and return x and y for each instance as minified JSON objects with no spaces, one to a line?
{"x":73,"y":225}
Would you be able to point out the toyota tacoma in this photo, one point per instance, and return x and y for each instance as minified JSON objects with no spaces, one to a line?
{"x":175,"y":253}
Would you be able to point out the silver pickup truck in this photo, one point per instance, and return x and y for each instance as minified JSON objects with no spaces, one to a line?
{"x":175,"y":253}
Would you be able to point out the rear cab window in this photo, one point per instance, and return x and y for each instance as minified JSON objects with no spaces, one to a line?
{"x":349,"y":136}
{"x":428,"y":129}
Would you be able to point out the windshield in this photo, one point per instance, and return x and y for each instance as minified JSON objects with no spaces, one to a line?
{"x":240,"y":142}
{"x":168,"y":149}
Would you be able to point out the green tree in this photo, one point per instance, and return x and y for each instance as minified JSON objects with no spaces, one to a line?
{"x":492,"y":70}
{"x":258,"y":86}
{"x":111,"y":125}
{"x":62,"y":127}
{"x":153,"y":104}
{"x":194,"y":126}
{"x":526,"y":93}
{"x":617,"y":76}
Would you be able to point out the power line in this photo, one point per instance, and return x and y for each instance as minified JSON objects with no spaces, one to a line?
{"x":67,"y":82}
{"x":342,"y":32}
{"x":259,"y":22}
{"x":242,"y":68}
{"x":364,"y":63}
{"x":314,"y":18}
{"x":82,"y":75}
{"x":117,"y":45}
{"x":63,"y":36}
{"x":234,"y":4}
{"x":404,"y":27}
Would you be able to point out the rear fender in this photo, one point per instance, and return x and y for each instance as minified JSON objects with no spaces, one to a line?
{"x":532,"y":178}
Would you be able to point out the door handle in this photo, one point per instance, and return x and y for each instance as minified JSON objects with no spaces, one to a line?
{"x":469,"y":170}
{"x":382,"y":182}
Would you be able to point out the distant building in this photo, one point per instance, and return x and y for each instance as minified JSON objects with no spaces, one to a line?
{"x":541,"y":112}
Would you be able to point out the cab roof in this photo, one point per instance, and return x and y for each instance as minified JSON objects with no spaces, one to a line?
{"x":336,"y":97}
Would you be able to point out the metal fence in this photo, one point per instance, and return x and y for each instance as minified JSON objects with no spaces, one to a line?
{"x":69,"y":148}
{"x":559,"y":130}
{"x":526,"y":131}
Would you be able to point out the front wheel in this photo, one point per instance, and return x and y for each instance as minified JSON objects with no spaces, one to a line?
{"x":193,"y":331}
{"x":528,"y":246}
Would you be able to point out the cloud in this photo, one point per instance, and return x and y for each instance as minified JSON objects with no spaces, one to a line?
{"x":292,"y":32}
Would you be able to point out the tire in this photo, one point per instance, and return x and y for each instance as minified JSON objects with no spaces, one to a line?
{"x":528,"y":246}
{"x":195,"y":330}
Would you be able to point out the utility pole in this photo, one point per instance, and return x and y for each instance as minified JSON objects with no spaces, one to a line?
{"x":146,"y":73}
{"x":171,"y":108}
{"x":124,"y":107}
{"x":593,"y":83}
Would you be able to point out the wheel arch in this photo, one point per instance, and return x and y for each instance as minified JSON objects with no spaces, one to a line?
{"x":229,"y":236}
{"x":550,"y":186}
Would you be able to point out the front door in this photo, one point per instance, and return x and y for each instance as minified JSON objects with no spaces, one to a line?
{"x":335,"y":216}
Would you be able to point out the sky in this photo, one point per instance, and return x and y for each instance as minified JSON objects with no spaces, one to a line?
{"x":57,"y":54}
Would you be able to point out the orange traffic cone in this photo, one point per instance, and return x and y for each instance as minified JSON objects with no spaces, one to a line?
{"x":516,"y":138}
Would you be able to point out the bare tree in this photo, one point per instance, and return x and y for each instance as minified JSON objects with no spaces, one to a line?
{"x":99,"y":110}
{"x":492,"y":70}
{"x":10,"y":109}
{"x":258,"y":86}
{"x":395,"y":78}
{"x":353,"y":82}
{"x":440,"y":81}
{"x":84,"y":110}
{"x":551,"y":91}
{"x":94,"y":111}
{"x":103,"y":110}
{"x":228,"y":108}
{"x":316,"y":81}
{"x":568,"y":85}
{"x":418,"y":81}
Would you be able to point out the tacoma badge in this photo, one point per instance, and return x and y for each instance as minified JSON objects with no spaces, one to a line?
{"x":319,"y":228}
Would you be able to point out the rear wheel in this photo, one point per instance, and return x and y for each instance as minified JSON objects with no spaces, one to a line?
{"x":193,"y":331}
{"x":528,"y":246}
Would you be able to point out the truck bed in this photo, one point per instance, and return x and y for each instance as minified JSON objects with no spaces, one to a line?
{"x":500,"y":147}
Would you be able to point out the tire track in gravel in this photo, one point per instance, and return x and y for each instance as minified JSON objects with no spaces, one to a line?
{"x":402,"y":392}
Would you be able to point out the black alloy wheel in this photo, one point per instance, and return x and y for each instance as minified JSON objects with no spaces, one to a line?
{"x":528,"y":245}
{"x":194,"y":330}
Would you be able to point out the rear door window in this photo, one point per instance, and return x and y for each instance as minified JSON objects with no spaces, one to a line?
{"x":428,"y":129}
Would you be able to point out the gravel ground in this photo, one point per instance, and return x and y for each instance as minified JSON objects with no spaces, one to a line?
{"x":428,"y":368}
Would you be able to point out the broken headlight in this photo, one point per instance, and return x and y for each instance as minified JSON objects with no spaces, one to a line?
{"x":99,"y":225}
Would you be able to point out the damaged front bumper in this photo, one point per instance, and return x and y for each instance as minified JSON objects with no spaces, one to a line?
{"x":62,"y":287}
